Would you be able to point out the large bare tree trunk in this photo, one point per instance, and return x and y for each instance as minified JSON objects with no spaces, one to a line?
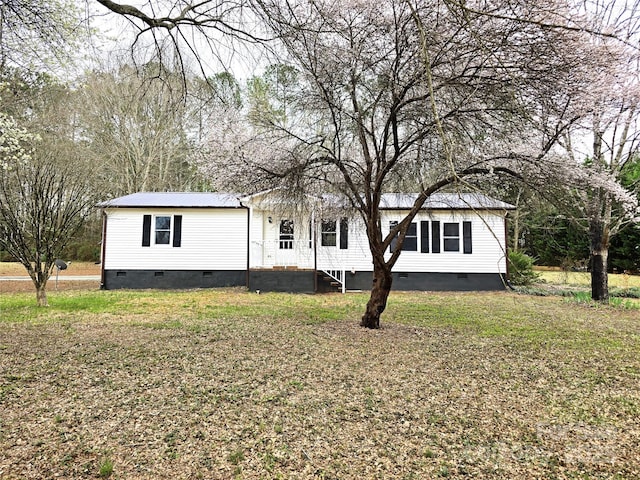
{"x":599,"y":253}
{"x":382,"y":279}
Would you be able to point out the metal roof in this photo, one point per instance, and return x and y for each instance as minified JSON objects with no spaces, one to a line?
{"x":444,"y":201}
{"x":174,"y":200}
{"x":394,"y":201}
{"x":389,"y":201}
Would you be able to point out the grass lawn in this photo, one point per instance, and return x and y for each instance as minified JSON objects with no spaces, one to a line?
{"x":222,"y":384}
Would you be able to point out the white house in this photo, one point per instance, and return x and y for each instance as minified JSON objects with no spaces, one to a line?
{"x":174,"y":240}
{"x":191,"y":240}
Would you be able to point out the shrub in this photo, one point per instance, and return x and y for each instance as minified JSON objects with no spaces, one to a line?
{"x":521,"y":269}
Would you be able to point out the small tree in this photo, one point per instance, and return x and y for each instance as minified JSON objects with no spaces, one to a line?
{"x":45,"y":196}
{"x":521,"y":269}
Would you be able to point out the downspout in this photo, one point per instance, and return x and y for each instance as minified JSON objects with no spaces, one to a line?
{"x":315,"y":251}
{"x":506,"y":250}
{"x":249,"y":215}
{"x":103,"y":250}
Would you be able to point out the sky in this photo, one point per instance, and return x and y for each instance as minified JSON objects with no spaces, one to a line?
{"x":116,"y":35}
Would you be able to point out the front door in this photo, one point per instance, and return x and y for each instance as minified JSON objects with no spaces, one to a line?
{"x":286,"y":244}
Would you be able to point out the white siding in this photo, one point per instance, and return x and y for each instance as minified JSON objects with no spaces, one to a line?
{"x":487,"y":240}
{"x":488,"y":236}
{"x":265,"y":244}
{"x":257,"y":235}
{"x":357,"y":257}
{"x":487,"y":233}
{"x":212,"y":239}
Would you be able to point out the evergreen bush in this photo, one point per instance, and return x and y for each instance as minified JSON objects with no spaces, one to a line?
{"x":521,"y":269}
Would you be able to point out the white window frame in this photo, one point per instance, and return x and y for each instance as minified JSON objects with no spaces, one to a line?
{"x":328,"y":235}
{"x":392,"y":225}
{"x":285,"y":240}
{"x":157,"y":230}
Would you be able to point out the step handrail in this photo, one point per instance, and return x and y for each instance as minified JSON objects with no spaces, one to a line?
{"x":338,"y":276}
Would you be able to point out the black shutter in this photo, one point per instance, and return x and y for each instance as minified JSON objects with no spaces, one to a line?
{"x":424,"y":237}
{"x":466,"y":237}
{"x":344,"y":233}
{"x":435,"y":237}
{"x":146,"y":230}
{"x":393,"y":224}
{"x":177,"y":230}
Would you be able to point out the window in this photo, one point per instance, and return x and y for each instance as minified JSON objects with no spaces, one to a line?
{"x":451,"y":237}
{"x":410,"y":239}
{"x":163,"y":231}
{"x":328,"y":234}
{"x":286,"y":235}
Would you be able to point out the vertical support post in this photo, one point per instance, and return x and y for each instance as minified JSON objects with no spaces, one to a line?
{"x":248,"y":274}
{"x":315,"y":250}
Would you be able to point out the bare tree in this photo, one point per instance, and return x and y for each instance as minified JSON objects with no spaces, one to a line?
{"x":45,"y":196}
{"x":140,"y":129}
{"x":42,"y":207}
{"x":183,"y":31}
{"x":607,"y":137}
{"x":419,"y":96}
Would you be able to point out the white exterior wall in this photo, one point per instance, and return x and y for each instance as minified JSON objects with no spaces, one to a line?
{"x":356,"y":257}
{"x":265,"y":242}
{"x":487,"y":240}
{"x":212,"y":239}
{"x":488,"y":237}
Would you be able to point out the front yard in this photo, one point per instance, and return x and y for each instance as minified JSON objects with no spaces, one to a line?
{"x":228,"y":384}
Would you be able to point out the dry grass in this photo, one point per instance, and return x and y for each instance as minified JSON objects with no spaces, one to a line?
{"x":75,"y":268}
{"x":557,"y":277}
{"x":225,"y":384}
{"x":12,"y":269}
